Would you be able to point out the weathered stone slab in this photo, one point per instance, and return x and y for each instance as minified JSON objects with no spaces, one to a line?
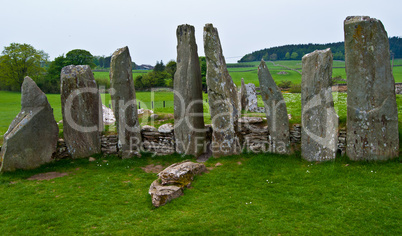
{"x":162,"y":194}
{"x":319,"y":119}
{"x":32,"y":136}
{"x":124,"y":103}
{"x":224,"y":103}
{"x":172,"y":180}
{"x":182,"y":173}
{"x":82,"y":111}
{"x":188,"y":105}
{"x":275,"y":110}
{"x":372,"y":115}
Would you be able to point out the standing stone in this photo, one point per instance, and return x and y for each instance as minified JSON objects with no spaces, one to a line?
{"x":319,"y":119}
{"x":82,"y":111}
{"x":223,"y":99}
{"x":243,"y":96}
{"x":275,"y":110}
{"x":32,"y":137}
{"x":372,"y":115}
{"x":124,"y":103}
{"x":251,"y":97}
{"x":189,"y":128}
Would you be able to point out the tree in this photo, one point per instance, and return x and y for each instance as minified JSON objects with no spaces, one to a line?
{"x":294,"y":56}
{"x":287,"y":56}
{"x":273,"y":57}
{"x":171,"y":68}
{"x":18,"y":61}
{"x":80,"y":57}
{"x":51,"y":82}
{"x":159,"y":66}
{"x":203,"y":65}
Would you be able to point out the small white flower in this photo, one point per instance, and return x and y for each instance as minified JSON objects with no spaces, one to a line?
{"x":307,"y":171}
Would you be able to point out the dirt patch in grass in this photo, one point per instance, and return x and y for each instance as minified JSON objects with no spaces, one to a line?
{"x":152,"y":168}
{"x":47,"y":176}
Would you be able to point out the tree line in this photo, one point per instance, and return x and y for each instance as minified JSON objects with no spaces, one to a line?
{"x":297,"y":51}
{"x":20,"y":60}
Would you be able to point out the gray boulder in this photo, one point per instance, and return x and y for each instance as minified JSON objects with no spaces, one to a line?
{"x":224,"y":103}
{"x":162,"y":194}
{"x":319,"y":119}
{"x":182,"y":173}
{"x":172,"y":180}
{"x":188,"y":105}
{"x":32,"y":136}
{"x":372,"y":115}
{"x":82,"y":111}
{"x":275,"y":110}
{"x":124,"y":103}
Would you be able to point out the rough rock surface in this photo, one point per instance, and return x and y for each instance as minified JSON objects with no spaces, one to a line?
{"x":124,"y":103}
{"x":161,"y":194}
{"x":224,"y":103}
{"x":159,"y":142}
{"x":243,"y":96}
{"x":182,"y":173}
{"x":172,"y":180}
{"x":275,"y":109}
{"x":166,"y":128}
{"x":82,"y":111}
{"x":372,"y":115}
{"x":108,"y":115}
{"x":32,"y":136}
{"x":189,"y":128}
{"x":319,"y":119}
{"x":252,"y":97}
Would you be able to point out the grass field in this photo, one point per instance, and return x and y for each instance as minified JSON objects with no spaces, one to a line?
{"x":249,"y":194}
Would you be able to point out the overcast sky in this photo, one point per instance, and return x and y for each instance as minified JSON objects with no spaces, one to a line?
{"x":148,"y":27}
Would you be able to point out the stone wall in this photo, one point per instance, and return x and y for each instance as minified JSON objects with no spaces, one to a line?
{"x":253,"y":138}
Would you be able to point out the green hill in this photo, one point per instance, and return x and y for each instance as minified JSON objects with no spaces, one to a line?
{"x":297,"y":51}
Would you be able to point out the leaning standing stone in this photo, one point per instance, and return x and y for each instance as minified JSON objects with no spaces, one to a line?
{"x":275,"y":110}
{"x":372,"y":115}
{"x":223,"y":99}
{"x":319,"y":119}
{"x":82,"y":111}
{"x":32,"y":137}
{"x":189,"y":128}
{"x":124,"y":103}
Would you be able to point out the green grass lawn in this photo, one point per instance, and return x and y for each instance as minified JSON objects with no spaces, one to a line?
{"x":249,"y":194}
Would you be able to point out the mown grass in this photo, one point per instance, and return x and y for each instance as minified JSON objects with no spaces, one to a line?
{"x":251,"y":194}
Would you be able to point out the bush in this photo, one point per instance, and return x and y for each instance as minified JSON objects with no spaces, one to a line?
{"x":295,"y":88}
{"x":285,"y":84}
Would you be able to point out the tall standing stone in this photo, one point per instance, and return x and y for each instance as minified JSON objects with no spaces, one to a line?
{"x":243,"y":96}
{"x":319,"y":119}
{"x":275,"y":110}
{"x":124,"y":103}
{"x":32,"y":137}
{"x":372,"y":115}
{"x":223,"y":99}
{"x":189,"y":127}
{"x":82,"y":111}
